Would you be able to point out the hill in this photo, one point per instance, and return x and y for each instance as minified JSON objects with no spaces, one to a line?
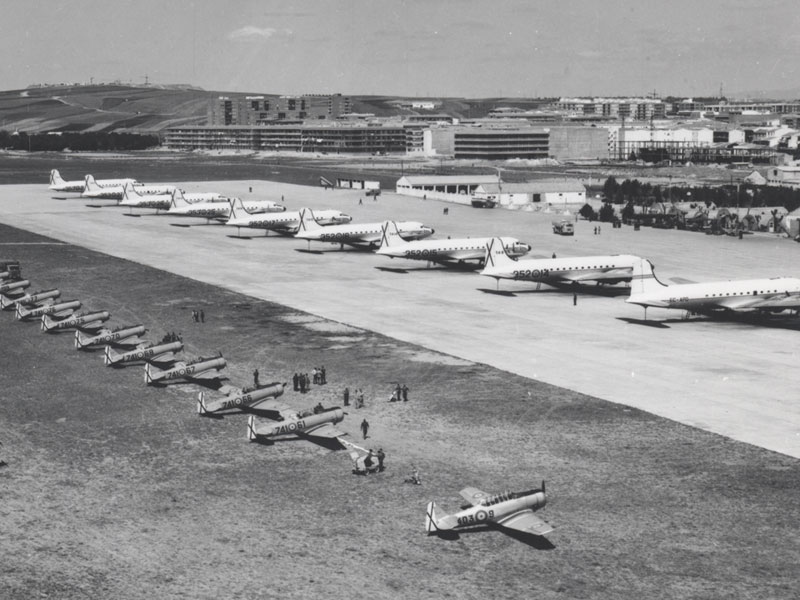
{"x":102,"y":108}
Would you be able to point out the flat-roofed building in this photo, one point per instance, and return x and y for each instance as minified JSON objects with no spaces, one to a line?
{"x":784,"y":176}
{"x":516,"y":195}
{"x":255,"y":110}
{"x":501,"y":143}
{"x":333,"y":138}
{"x":452,"y":188}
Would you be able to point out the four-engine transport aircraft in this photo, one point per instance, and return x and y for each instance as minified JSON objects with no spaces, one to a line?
{"x":122,"y":336}
{"x":508,"y":510}
{"x":132,"y":198}
{"x":159,"y":354}
{"x":355,"y":234}
{"x":89,"y":321}
{"x":202,"y":369}
{"x":219,"y":209}
{"x":32,"y":299}
{"x":286,"y":223}
{"x":449,"y":251}
{"x":307,"y":424}
{"x":557,"y":271}
{"x":109,"y":189}
{"x":59,"y":309}
{"x":256,"y":399}
{"x":58,"y":184}
{"x":754,"y":295}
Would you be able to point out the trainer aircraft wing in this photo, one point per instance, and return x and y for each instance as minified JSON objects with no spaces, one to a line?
{"x":325,"y":430}
{"x":209,"y":375}
{"x":473,"y":495}
{"x":526,"y":522}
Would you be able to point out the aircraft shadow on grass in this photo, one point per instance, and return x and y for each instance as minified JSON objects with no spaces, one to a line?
{"x":534,"y":541}
{"x":212,"y":384}
{"x":328,"y":444}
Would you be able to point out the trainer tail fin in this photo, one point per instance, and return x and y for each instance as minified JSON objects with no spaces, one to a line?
{"x":251,"y":428}
{"x":110,"y":357}
{"x":201,"y":404}
{"x":431,"y":520}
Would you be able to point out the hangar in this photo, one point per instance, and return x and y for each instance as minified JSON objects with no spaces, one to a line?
{"x":450,"y":188}
{"x":516,"y":195}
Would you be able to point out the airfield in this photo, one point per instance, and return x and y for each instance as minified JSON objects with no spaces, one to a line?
{"x":117,"y":489}
{"x":731,"y":377}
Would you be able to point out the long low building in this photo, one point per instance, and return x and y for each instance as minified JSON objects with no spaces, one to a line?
{"x":543,"y":193}
{"x":451,"y":188}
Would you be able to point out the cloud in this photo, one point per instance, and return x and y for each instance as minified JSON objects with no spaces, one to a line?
{"x":256,"y":34}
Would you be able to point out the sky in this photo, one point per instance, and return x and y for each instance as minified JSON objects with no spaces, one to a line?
{"x":457,"y":48}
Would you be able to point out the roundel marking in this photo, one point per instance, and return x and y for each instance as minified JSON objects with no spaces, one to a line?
{"x":292,"y":426}
{"x":480,"y":515}
{"x":535,"y":273}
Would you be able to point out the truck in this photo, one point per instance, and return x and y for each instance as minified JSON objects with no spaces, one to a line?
{"x":563,"y":227}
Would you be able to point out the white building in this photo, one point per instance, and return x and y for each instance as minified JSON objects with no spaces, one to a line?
{"x":784,"y":176}
{"x":451,"y":188}
{"x":546,"y":193}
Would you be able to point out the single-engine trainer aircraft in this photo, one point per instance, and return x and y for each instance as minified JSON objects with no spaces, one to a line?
{"x":32,"y":299}
{"x":202,"y":369}
{"x":60,"y":309}
{"x":557,"y":271}
{"x":123,"y":336}
{"x":259,"y":398}
{"x":160,"y":354}
{"x":58,"y":184}
{"x":509,"y":510}
{"x":755,"y":295}
{"x":89,"y":321}
{"x":305,"y":424}
{"x":14,"y":289}
{"x":446,"y":252}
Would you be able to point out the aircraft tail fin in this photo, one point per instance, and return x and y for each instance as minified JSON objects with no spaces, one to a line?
{"x":20,"y":312}
{"x":307,"y":220}
{"x":6,"y":302}
{"x":149,"y":372}
{"x":90,"y":184}
{"x":55,"y":178}
{"x":80,"y":340}
{"x":251,"y":428}
{"x":238,"y":210}
{"x":496,"y":255}
{"x":431,"y":520}
{"x":129,"y":192}
{"x":390,"y":235}
{"x":178,"y":199}
{"x":47,"y":323}
{"x":201,"y":404}
{"x":644,"y":280}
{"x":110,"y":357}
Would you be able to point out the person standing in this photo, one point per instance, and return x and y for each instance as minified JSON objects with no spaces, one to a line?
{"x":397,"y":392}
{"x":255,"y":378}
{"x":405,"y":392}
{"x":315,"y":375}
{"x":322,"y":377}
{"x":346,"y":396}
{"x":360,"y":398}
{"x":381,"y":456}
{"x":296,"y":382}
{"x":202,"y":316}
{"x":364,"y":428}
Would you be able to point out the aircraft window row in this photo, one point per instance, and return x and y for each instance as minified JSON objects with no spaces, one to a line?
{"x":754,"y":293}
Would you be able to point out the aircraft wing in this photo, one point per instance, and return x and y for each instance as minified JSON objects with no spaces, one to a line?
{"x":168,"y":358}
{"x":681,"y":280}
{"x":229,"y":390}
{"x":473,"y":495}
{"x":325,"y":430}
{"x":526,"y":522}
{"x":269,"y":404}
{"x":749,"y":302}
{"x":615,"y":274}
{"x":207,"y":375}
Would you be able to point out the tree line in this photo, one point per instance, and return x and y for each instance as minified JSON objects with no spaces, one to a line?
{"x":91,"y":141}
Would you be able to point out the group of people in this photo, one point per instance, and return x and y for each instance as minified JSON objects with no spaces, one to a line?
{"x":399,"y":393}
{"x":301,"y":382}
{"x":198,"y":316}
{"x":358,"y":397}
{"x":171,"y":337}
{"x":318,"y":376}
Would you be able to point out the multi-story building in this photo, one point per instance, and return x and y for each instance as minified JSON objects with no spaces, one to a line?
{"x":639,"y":109}
{"x":501,"y":144}
{"x":256,"y":110}
{"x":331,"y":138}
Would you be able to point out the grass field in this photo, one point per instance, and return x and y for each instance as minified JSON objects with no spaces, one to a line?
{"x":114,"y":489}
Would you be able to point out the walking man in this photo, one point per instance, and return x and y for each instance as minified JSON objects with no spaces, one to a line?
{"x":364,"y":428}
{"x":381,"y":456}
